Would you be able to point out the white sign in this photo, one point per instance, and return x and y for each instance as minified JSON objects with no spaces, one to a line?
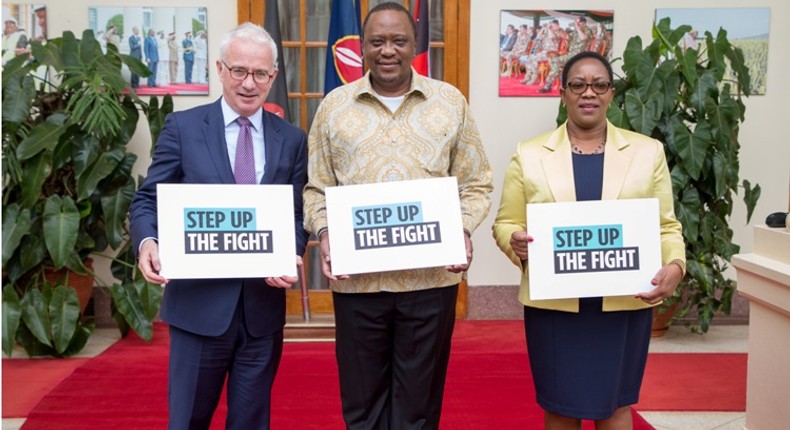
{"x":395,"y":226}
{"x":226,"y":230}
{"x":593,"y":248}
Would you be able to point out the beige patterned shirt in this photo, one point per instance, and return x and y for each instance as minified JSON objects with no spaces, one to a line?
{"x":356,"y":139}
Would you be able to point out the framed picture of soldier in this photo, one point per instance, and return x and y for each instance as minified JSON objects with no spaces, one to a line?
{"x":171,"y":41}
{"x":534,"y":44}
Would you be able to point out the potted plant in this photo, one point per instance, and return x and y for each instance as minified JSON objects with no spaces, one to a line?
{"x":68,"y":115}
{"x":691,"y":101}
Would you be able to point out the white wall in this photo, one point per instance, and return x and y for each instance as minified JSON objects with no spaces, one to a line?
{"x":765,"y":153}
{"x":503,"y":121}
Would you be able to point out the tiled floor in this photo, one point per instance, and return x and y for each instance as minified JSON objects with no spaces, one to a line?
{"x":724,"y":338}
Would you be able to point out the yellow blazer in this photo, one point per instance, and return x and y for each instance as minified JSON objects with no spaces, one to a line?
{"x":541,"y":171}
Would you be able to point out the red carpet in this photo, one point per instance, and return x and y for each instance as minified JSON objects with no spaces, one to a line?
{"x":694,"y":382}
{"x":25,"y":382}
{"x":488,"y":385}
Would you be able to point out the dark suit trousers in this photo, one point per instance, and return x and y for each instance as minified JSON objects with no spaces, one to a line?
{"x":200,"y":364}
{"x":392,"y":353}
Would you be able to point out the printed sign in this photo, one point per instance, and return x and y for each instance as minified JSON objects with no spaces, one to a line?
{"x":395,"y":225}
{"x":593,"y":248}
{"x":226,"y":231}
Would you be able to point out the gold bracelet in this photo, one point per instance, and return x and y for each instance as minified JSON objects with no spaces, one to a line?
{"x":680,"y":263}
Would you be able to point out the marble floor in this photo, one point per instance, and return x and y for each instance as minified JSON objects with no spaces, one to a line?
{"x":721,"y":338}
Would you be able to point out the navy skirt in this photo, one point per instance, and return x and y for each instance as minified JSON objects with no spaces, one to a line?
{"x":587,"y":365}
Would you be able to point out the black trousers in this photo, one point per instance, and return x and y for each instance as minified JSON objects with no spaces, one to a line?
{"x":392,"y":354}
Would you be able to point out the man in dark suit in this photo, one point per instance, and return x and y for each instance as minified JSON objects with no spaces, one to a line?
{"x":224,"y":327}
{"x":151,"y":56}
{"x":189,"y":56}
{"x":135,"y":50}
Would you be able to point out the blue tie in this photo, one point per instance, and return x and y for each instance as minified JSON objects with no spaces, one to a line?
{"x":244,"y":165}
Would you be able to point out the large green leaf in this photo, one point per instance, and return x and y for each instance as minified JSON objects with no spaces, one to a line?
{"x":32,"y":252}
{"x":32,"y":346}
{"x":688,"y":64}
{"x":643,"y":115}
{"x":86,"y":150}
{"x":61,"y":224}
{"x":47,"y":54}
{"x":35,"y":314}
{"x":750,"y":197}
{"x":35,"y":173}
{"x":130,"y":304}
{"x":12,"y":315}
{"x":83,"y":333}
{"x":115,"y":207}
{"x":741,"y":69}
{"x":42,"y":137}
{"x":70,"y":51}
{"x":716,"y":48}
{"x":634,"y":58}
{"x":705,"y":88}
{"x":617,"y":117}
{"x":692,"y":147}
{"x":687,"y":210}
{"x":107,"y":162}
{"x":16,"y":224}
{"x":90,"y":50}
{"x":64,"y":312}
{"x":18,"y":92}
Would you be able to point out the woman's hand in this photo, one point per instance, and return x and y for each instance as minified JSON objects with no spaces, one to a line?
{"x":518,"y":243}
{"x":666,"y":280}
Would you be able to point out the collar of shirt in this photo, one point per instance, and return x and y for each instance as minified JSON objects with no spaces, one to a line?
{"x":419,"y":84}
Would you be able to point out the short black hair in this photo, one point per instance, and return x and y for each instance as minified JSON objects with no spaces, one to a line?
{"x":389,"y":6}
{"x":581,"y":56}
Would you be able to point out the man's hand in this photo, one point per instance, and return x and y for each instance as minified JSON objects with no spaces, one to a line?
{"x":149,"y":264}
{"x":326,"y":260}
{"x":285,"y":281}
{"x":459,"y":268}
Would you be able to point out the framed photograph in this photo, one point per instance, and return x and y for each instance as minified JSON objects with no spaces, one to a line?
{"x":534,"y":44}
{"x":171,"y":41}
{"x":747,"y":28}
{"x":22,"y":23}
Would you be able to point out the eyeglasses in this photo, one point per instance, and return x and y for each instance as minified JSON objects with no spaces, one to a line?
{"x":578,"y":87}
{"x":238,"y":73}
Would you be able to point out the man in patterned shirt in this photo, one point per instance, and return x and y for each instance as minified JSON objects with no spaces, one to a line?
{"x":393,"y":329}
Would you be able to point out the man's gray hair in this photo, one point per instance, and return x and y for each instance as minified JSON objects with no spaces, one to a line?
{"x":252,"y":32}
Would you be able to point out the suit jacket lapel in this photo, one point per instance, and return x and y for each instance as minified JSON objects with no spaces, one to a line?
{"x":615,"y":165}
{"x":273,"y":145}
{"x":558,"y":167}
{"x":214,"y":135}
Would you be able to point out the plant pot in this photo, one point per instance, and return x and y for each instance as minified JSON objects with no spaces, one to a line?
{"x":82,"y":284}
{"x":662,"y":318}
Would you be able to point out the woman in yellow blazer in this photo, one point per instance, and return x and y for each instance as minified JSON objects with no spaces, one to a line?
{"x":588,"y":355}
